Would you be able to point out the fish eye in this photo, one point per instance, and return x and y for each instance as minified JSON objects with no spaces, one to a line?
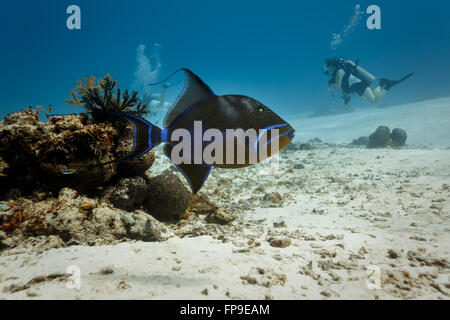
{"x":260,"y":109}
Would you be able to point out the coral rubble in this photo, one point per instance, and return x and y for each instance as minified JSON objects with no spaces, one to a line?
{"x":47,"y":203}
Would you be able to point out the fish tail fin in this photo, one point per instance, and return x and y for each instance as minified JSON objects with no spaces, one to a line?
{"x":146,"y":135}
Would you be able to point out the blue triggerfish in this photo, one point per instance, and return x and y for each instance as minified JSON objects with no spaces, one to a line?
{"x":197,"y":103}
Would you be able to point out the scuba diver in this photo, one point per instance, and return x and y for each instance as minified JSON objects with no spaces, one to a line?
{"x":351,"y":78}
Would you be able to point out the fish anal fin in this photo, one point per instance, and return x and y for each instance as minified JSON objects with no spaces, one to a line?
{"x":195,"y":174}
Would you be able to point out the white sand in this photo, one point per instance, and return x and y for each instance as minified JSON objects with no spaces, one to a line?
{"x":427,"y":123}
{"x":343,"y":212}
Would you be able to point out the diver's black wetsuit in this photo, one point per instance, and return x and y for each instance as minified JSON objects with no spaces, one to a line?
{"x":346,"y":87}
{"x":358,"y":87}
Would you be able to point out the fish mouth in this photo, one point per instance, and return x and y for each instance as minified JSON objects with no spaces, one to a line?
{"x":291,"y":134}
{"x":285,"y":135}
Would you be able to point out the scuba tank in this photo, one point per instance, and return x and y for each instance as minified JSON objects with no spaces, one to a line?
{"x":359,"y":72}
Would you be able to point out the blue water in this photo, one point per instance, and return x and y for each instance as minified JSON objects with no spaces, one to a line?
{"x":273,"y":51}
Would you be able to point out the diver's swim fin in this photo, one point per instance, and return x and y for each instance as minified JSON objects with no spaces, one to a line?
{"x":195,"y":174}
{"x":406,"y":77}
{"x":388,"y":84}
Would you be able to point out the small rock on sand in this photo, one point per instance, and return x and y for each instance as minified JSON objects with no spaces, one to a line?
{"x":129,"y":193}
{"x":361,"y":141}
{"x":280,"y":224}
{"x":326,"y":294}
{"x":306,"y":146}
{"x":398,"y":137}
{"x":393,"y":254}
{"x":106,"y":270}
{"x":381,"y":138}
{"x":273,"y":199}
{"x":219,"y":217}
{"x":280,"y":242}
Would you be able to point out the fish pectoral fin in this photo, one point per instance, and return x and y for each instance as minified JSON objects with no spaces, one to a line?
{"x":195,"y":174}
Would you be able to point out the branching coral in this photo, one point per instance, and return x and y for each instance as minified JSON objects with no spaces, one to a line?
{"x":102,"y":95}
{"x":82,"y":87}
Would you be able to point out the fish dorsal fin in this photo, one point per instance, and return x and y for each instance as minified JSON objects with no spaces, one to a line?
{"x":195,"y":174}
{"x":194,"y":90}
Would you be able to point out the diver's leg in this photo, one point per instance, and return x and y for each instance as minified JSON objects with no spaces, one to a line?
{"x":374,"y":96}
{"x":385,"y":85}
{"x":380,"y":93}
{"x":369,"y":96}
{"x":364,"y":91}
{"x":376,"y":90}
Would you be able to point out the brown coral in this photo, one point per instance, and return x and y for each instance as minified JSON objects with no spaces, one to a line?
{"x":103,"y":95}
{"x":35,"y":154}
{"x":81,"y":89}
{"x":167,"y":198}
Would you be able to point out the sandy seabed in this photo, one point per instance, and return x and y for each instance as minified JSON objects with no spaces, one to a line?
{"x":352,"y":224}
{"x":330,"y":223}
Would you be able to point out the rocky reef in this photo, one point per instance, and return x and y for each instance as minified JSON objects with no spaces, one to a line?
{"x":35,"y":154}
{"x":43,"y":200}
{"x":383,"y":138}
{"x":70,"y":219}
{"x":164,"y":196}
{"x":398,"y":137}
{"x":361,"y":141}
